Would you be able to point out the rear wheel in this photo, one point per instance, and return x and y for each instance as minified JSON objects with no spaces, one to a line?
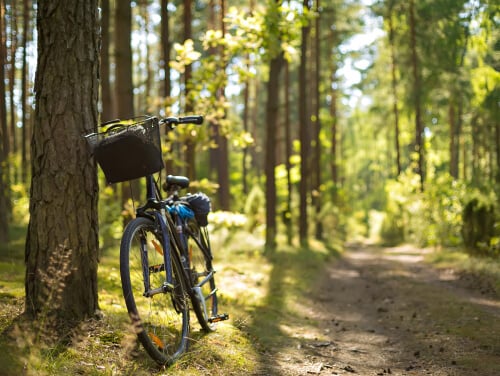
{"x":202,"y":275}
{"x":159,"y":311}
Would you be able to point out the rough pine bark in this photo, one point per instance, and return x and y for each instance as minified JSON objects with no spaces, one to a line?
{"x":63,"y":229}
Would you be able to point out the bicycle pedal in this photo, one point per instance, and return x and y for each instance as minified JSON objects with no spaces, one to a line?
{"x":218,"y":318}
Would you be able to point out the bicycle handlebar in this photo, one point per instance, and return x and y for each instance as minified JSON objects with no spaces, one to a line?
{"x":194,"y":119}
{"x":170,"y":121}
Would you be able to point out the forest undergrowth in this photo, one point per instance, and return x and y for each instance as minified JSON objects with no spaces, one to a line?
{"x":267,"y":299}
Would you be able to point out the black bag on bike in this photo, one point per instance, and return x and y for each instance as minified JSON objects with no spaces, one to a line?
{"x":127,"y":152}
{"x":201,"y":206}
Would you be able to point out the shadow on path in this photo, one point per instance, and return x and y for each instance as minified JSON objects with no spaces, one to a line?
{"x":375,"y":311}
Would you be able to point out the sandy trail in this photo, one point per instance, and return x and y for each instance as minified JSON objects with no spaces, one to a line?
{"x":383,"y":311}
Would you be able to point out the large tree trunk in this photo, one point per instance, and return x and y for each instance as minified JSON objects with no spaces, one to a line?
{"x":62,"y":240}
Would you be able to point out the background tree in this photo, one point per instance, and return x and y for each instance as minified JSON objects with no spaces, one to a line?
{"x":25,"y":106}
{"x":62,"y":232}
{"x":272,"y":111}
{"x":4,"y":147}
{"x":367,"y":112}
{"x":305,"y":137}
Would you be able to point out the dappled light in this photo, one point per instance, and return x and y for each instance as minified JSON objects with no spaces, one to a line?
{"x":258,"y":187}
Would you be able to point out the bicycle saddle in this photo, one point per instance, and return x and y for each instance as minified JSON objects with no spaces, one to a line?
{"x":179,"y":181}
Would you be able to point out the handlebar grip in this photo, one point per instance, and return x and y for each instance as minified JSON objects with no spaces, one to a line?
{"x":195,"y":119}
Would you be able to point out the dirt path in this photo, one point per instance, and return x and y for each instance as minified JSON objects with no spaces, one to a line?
{"x":384,"y":312}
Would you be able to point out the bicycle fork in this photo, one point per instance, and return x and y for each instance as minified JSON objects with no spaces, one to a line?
{"x":168,"y":284}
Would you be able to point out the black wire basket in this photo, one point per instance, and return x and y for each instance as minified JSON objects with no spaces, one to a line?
{"x":128,"y":150}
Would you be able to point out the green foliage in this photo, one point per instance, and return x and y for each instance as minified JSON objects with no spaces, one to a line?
{"x":20,"y":201}
{"x":481,"y":224}
{"x":432,"y":217}
{"x":110,"y":218}
{"x":270,"y":31}
{"x":445,"y":214}
{"x":255,"y":208}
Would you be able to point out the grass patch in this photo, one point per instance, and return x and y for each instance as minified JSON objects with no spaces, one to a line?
{"x":484,"y":270}
{"x":261,"y":294}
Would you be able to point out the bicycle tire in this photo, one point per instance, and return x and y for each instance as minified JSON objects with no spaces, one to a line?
{"x":202,"y":275}
{"x":161,"y":321}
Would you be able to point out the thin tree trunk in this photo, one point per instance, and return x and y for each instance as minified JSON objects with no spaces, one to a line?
{"x":4,"y":129}
{"x":25,"y":134}
{"x":272,"y":111}
{"x":123,"y":80}
{"x":287,"y":217}
{"x":62,"y":240}
{"x":223,"y":165}
{"x":5,"y":206}
{"x":395,"y":99}
{"x":108,"y":111}
{"x":246,"y":103}
{"x":12,"y":78}
{"x":417,"y":94}
{"x":334,"y":122}
{"x":4,"y":145}
{"x":219,"y":156}
{"x":123,"y":57}
{"x":189,"y":156}
{"x":497,"y":149}
{"x":304,"y":135}
{"x":167,"y":84}
{"x":165,"y":48}
{"x":454,"y":139}
{"x":316,"y":192}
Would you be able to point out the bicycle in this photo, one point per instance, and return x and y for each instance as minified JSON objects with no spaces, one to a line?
{"x":165,"y":252}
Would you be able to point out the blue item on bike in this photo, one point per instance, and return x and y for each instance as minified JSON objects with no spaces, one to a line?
{"x":200,"y":203}
{"x":182,"y":211}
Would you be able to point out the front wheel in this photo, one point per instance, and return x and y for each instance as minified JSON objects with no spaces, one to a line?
{"x":159,"y":311}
